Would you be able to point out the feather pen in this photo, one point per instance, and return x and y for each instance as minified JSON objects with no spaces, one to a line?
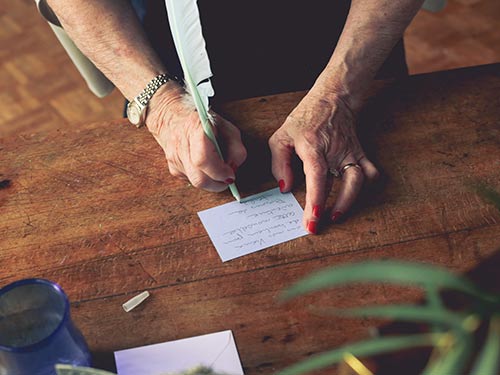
{"x":184,"y":19}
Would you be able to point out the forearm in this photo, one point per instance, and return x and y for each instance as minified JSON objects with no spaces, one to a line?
{"x":372,"y":29}
{"x":109,"y":33}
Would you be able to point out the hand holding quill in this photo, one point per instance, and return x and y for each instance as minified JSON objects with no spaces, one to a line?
{"x":185,"y":24}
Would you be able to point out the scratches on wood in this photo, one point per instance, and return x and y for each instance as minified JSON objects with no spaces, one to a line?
{"x":126,"y":226}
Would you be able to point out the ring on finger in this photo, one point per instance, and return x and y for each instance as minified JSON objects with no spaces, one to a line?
{"x":347,"y":166}
{"x":338,"y":173}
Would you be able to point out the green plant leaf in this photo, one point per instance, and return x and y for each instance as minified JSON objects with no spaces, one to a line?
{"x":455,"y":359}
{"x":433,"y":297}
{"x":394,"y":272}
{"x":434,"y":300}
{"x":488,"y":361}
{"x":362,"y":349}
{"x":412,"y":313}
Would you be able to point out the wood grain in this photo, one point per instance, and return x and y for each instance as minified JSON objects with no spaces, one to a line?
{"x":95,"y":210}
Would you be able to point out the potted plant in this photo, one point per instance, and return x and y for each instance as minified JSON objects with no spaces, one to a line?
{"x":451,"y":333}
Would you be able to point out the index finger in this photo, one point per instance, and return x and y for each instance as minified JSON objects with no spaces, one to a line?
{"x":315,"y":170}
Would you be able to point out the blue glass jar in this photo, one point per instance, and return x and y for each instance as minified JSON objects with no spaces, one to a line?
{"x":36,"y":330}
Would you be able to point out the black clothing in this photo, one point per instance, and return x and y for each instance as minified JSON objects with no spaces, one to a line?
{"x":262,"y":47}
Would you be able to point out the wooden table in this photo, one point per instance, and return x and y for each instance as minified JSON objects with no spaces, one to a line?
{"x":94,"y":208}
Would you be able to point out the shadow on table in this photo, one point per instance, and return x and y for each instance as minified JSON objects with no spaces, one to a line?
{"x":104,"y":361}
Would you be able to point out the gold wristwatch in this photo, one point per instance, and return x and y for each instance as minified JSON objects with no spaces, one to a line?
{"x":137,"y":108}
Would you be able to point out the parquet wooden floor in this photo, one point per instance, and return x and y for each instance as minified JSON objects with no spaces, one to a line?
{"x":465,"y":33}
{"x":40,"y":89}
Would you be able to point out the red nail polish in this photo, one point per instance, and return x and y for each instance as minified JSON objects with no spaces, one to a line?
{"x":317,"y":211}
{"x":229,"y":181}
{"x":336,"y":216}
{"x":311,"y":227}
{"x":281,"y":184}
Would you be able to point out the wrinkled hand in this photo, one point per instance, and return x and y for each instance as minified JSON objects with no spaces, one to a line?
{"x":321,"y":131}
{"x":190,"y":154}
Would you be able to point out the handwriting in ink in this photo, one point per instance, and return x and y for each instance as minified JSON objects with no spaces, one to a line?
{"x":271,"y":211}
{"x":258,"y":222}
{"x":236,"y":238}
{"x":267,"y":230}
{"x":259,"y":242}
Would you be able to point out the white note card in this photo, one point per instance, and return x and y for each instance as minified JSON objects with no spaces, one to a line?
{"x":216,"y":351}
{"x":257,"y":222}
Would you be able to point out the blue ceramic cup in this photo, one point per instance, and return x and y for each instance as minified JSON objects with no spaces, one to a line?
{"x":36,"y":330}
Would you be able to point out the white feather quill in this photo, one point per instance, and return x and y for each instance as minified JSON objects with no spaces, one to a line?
{"x":184,"y":19}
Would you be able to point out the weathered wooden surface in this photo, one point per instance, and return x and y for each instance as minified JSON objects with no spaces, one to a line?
{"x":94,"y":209}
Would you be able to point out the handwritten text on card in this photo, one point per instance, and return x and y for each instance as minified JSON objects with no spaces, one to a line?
{"x":259,"y":221}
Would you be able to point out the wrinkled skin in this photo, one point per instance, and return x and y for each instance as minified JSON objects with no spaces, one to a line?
{"x":321,"y":131}
{"x":190,"y":154}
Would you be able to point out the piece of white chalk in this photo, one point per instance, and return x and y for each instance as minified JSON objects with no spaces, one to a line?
{"x":135,"y":301}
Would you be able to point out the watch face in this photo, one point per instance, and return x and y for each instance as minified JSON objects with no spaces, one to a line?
{"x":133,"y":113}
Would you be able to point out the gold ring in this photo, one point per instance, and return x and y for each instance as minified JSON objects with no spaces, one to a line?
{"x":347,"y":166}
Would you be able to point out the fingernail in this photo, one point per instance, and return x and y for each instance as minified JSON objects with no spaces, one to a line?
{"x":336,"y":216}
{"x":317,"y":211}
{"x":281,"y":184}
{"x":229,"y":181}
{"x":311,"y":227}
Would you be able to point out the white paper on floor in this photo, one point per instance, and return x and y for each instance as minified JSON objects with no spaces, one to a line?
{"x":259,"y":221}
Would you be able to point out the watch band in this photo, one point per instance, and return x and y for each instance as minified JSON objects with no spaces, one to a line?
{"x":137,"y":108}
{"x":145,"y":96}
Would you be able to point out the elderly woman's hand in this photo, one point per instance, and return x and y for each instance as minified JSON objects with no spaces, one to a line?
{"x":321,"y":131}
{"x":190,"y":154}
